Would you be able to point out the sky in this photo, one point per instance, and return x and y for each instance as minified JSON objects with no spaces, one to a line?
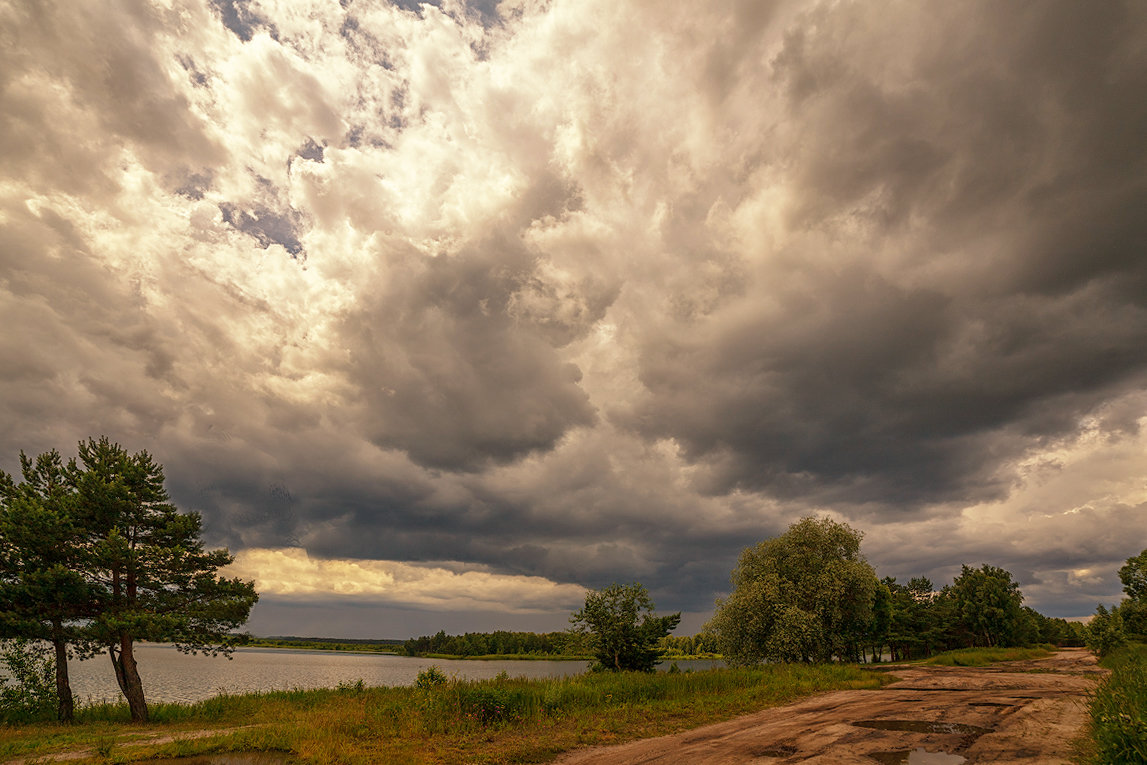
{"x":440,"y":314}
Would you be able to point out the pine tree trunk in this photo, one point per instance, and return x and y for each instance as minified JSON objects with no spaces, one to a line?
{"x":127,"y":675}
{"x":118,"y":669}
{"x":67,"y":706}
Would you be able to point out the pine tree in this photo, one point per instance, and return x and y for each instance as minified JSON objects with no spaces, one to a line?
{"x":41,"y":559}
{"x":154,"y":579}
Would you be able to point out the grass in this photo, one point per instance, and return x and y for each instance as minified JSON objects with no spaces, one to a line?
{"x":980,"y":657}
{"x":497,"y":721}
{"x":1119,"y":710}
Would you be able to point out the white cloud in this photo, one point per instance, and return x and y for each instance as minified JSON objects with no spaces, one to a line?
{"x":292,"y":573}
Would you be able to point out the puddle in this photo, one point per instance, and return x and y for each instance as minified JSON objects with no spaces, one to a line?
{"x":922,"y":726}
{"x":916,"y":757}
{"x":232,"y":758}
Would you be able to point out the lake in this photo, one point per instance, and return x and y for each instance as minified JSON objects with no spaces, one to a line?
{"x":169,"y":675}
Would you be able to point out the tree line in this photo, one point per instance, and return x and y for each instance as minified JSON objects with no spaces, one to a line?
{"x":499,"y":642}
{"x":809,"y":595}
{"x":94,"y":557}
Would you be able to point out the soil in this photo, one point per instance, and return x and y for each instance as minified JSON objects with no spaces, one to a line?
{"x":1019,"y":712}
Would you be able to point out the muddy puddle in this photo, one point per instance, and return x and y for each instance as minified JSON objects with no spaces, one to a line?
{"x":923,"y":726}
{"x":916,"y":757}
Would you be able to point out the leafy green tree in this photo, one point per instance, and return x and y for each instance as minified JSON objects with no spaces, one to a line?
{"x":1133,"y":610}
{"x":42,"y":557}
{"x":881,"y":625}
{"x":806,"y":595}
{"x":155,"y":580}
{"x":1134,"y":616}
{"x":989,"y":605}
{"x":1133,"y":574}
{"x":623,"y":628}
{"x":1031,"y":627}
{"x":1105,"y":632}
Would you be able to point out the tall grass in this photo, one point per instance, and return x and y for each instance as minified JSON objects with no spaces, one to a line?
{"x":979,"y":657}
{"x":1119,"y":708}
{"x":494,"y":721}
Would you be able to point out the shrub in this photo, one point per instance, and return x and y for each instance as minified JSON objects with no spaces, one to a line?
{"x":488,"y":704}
{"x":33,"y":695}
{"x":430,"y":677}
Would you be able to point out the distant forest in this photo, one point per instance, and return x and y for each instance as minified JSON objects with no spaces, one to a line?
{"x":501,"y":643}
{"x":327,"y":644}
{"x":549,"y":644}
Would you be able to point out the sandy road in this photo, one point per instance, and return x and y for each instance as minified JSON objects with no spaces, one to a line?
{"x":1018,"y":712}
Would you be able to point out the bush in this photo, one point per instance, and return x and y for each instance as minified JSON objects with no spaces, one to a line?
{"x":33,"y":695}
{"x":430,"y":677}
{"x":489,"y":704}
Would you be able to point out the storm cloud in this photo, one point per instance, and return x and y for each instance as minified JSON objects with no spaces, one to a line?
{"x":490,"y":301}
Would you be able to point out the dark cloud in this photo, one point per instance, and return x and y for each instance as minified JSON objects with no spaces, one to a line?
{"x":992,"y":165}
{"x":445,"y":372}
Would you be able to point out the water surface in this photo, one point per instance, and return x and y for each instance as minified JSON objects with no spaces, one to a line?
{"x":169,"y":675}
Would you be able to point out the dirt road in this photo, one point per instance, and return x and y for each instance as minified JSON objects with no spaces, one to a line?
{"x":1018,"y":712}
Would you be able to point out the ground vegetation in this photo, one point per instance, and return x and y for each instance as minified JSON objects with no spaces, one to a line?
{"x":504,"y":720}
{"x":1119,"y":709}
